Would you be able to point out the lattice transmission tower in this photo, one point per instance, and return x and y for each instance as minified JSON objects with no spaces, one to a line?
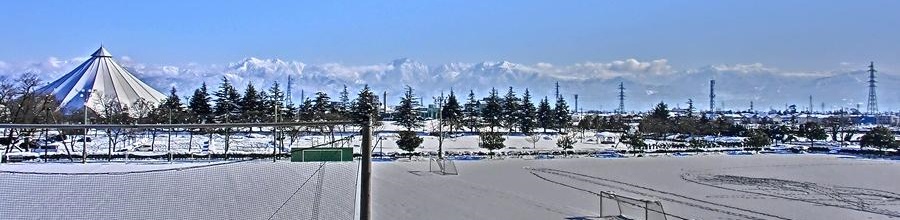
{"x":872,"y":105}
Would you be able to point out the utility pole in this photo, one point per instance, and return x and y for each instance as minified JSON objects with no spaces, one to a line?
{"x":365,"y":173}
{"x":440,"y":114}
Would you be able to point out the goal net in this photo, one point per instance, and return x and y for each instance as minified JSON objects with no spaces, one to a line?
{"x":624,"y":207}
{"x":442,"y":166}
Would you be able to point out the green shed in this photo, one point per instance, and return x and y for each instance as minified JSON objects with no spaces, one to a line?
{"x":321,"y":154}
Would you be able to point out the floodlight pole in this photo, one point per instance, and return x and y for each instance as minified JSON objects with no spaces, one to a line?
{"x":275,"y":133}
{"x":84,"y":137}
{"x":365,"y":172}
{"x":169,"y":144}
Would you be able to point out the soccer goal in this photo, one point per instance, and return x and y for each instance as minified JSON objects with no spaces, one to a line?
{"x":624,"y":207}
{"x":442,"y":166}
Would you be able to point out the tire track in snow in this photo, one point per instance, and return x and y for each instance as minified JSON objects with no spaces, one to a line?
{"x":695,"y":203}
{"x":840,"y":197}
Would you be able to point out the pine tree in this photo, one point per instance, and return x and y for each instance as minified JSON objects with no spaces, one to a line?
{"x":757,"y":139}
{"x":658,"y":121}
{"x":344,"y":107}
{"x":305,"y":110}
{"x":661,"y":111}
{"x":879,"y":137}
{"x":527,"y":114}
{"x":365,"y":107}
{"x":491,"y":141}
{"x":492,"y":111}
{"x":565,"y":142}
{"x":290,"y":113}
{"x":409,"y":141}
{"x":275,"y":99}
{"x":545,"y":115}
{"x":408,"y":114}
{"x":251,"y":104}
{"x":510,"y":110}
{"x":322,"y":107}
{"x":451,"y":113}
{"x":812,"y":131}
{"x":634,"y":140}
{"x":199,"y":104}
{"x":562,"y":116}
{"x":471,"y":112}
{"x":227,"y":99}
{"x":172,"y":105}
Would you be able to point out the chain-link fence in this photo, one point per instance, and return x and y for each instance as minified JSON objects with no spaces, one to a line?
{"x":193,"y":185}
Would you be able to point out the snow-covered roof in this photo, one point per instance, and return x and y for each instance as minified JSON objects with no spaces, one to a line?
{"x":100,"y":76}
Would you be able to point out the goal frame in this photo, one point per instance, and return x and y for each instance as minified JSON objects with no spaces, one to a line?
{"x":642,"y":204}
{"x":443,"y":166}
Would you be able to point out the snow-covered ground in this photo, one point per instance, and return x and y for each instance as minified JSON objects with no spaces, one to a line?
{"x":183,"y":143}
{"x":239,"y":190}
{"x":693,"y":187}
{"x":697,"y":187}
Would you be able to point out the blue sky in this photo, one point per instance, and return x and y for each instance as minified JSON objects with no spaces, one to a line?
{"x":791,"y":35}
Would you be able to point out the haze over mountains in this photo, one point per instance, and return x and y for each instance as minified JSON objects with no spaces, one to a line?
{"x":647,"y":81}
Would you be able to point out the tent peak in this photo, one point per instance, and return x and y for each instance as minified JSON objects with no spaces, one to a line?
{"x":102,"y":52}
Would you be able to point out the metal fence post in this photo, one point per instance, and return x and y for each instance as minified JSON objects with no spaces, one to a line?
{"x":601,"y":204}
{"x":366,"y":173}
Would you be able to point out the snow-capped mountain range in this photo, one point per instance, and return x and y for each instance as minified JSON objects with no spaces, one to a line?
{"x":596,"y":83}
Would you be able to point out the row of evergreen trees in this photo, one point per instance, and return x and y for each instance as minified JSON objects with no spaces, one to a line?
{"x":226,"y":104}
{"x":493,"y":112}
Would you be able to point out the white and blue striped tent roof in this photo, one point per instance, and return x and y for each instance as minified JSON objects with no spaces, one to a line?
{"x":100,"y":77}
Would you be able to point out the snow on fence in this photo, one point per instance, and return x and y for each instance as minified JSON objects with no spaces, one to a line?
{"x":158,"y":141}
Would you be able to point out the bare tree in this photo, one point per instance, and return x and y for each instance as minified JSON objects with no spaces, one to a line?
{"x":21,"y":103}
{"x":533,"y":139}
{"x":111,"y":111}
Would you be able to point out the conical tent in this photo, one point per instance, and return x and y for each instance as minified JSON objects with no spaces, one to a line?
{"x":100,"y":77}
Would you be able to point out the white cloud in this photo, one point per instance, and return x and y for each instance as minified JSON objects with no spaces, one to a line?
{"x":651,"y":80}
{"x":543,"y":65}
{"x":618,"y":68}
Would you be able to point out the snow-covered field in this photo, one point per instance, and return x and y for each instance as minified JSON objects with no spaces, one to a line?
{"x":696,"y":187}
{"x":693,"y":187}
{"x":236,"y":190}
{"x":256,"y":143}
